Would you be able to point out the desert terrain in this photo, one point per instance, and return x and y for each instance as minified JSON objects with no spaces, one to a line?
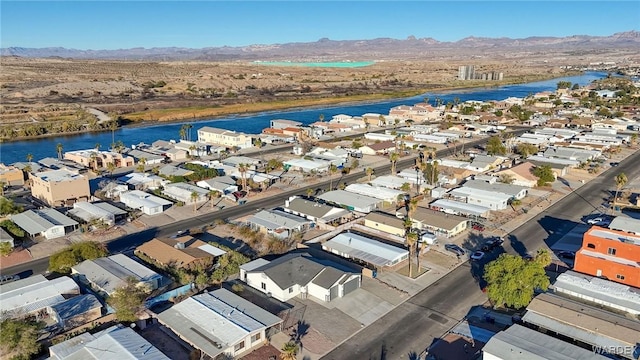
{"x":42,"y":96}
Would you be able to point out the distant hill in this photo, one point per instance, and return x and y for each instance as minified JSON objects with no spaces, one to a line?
{"x":326,"y":49}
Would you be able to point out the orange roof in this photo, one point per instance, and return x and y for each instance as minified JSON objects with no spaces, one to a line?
{"x":164,"y":251}
{"x":292,"y":129}
{"x":523,"y":170}
{"x":272,"y":131}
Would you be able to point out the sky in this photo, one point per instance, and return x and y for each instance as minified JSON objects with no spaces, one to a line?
{"x":105,"y":25}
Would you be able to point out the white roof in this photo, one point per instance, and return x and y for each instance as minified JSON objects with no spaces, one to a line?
{"x":381,"y":193}
{"x":216,"y":318}
{"x":212,"y":250}
{"x":480,"y":194}
{"x":308,"y":164}
{"x":389,"y":181}
{"x":115,"y":343}
{"x":600,"y":290}
{"x":140,"y":178}
{"x":460,"y":207}
{"x":38,"y":221}
{"x":349,"y":199}
{"x":34,"y":293}
{"x":627,"y":224}
{"x":144,"y":199}
{"x":186,"y":187}
{"x":94,"y":211}
{"x":366,"y":249}
{"x":58,"y":175}
{"x":519,"y":342}
{"x":111,"y":273}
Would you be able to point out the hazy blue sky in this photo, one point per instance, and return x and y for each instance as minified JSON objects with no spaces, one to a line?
{"x":197,"y":24}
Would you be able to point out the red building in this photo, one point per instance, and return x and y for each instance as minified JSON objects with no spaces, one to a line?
{"x":611,"y":254}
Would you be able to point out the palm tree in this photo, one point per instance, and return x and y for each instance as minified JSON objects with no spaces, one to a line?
{"x":621,"y":181}
{"x":213,"y":195}
{"x":59,"y":148}
{"x":332,"y":170}
{"x":411,"y":239}
{"x":111,"y":167}
{"x":321,"y":117}
{"x":113,"y":126}
{"x":393,"y":157}
{"x":369,"y":172}
{"x":183,"y":132}
{"x":310,"y":192}
{"x":97,"y":146}
{"x":413,"y":207}
{"x":29,"y":157}
{"x":194,"y":200}
{"x":141,"y":163}
{"x":242,"y":168}
{"x":289,"y":351}
{"x":94,"y":160}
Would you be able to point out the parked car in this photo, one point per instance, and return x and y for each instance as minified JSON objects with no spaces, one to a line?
{"x":8,"y":278}
{"x":492,"y":243}
{"x":614,"y":164}
{"x":478,"y":227}
{"x":455,"y":249}
{"x":600,"y":221}
{"x":570,"y":255}
{"x":477,"y":255}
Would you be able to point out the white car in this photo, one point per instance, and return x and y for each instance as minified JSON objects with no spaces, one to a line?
{"x":477,"y":255}
{"x":595,"y":221}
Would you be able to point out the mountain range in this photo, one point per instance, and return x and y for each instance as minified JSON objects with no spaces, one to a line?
{"x":326,"y":49}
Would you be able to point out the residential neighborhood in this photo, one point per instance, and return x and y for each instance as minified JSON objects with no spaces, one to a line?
{"x":302,"y":235}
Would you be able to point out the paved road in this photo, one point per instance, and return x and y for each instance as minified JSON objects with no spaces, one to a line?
{"x":412,"y":326}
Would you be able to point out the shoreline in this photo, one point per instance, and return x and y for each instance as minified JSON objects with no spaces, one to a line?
{"x":271,"y":107}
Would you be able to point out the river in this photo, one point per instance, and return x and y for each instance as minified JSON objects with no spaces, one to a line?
{"x":11,"y":152}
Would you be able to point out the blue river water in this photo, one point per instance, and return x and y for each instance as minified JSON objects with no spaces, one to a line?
{"x":11,"y":152}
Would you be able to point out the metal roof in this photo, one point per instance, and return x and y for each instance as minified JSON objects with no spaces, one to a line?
{"x":76,"y":305}
{"x":463,"y":208}
{"x":291,"y":269}
{"x":213,"y":324}
{"x":627,"y":224}
{"x":110,"y":273}
{"x":276,"y":219}
{"x":366,"y":249}
{"x":509,"y":189}
{"x":519,"y":342}
{"x":144,"y":199}
{"x":38,"y":221}
{"x":616,"y":295}
{"x":581,"y":321}
{"x":382,"y":193}
{"x":349,"y":199}
{"x":116,"y":343}
{"x":35,"y":293}
{"x":316,"y":210}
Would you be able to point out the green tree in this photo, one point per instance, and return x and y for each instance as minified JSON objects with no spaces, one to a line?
{"x":525,"y":149}
{"x":544,"y":174}
{"x":393,"y":157}
{"x":194,"y":199}
{"x":5,"y":248}
{"x":495,"y":146}
{"x":11,"y":227}
{"x":405,"y":187}
{"x":332,"y":170}
{"x":431,"y":172}
{"x":29,"y":157}
{"x":543,"y":258}
{"x":59,"y":149}
{"x":20,"y":337}
{"x":310,"y":192}
{"x":111,"y":167}
{"x":506,"y":178}
{"x":141,"y":164}
{"x":411,"y":238}
{"x":564,"y":85}
{"x":621,"y":180}
{"x":512,"y":280}
{"x":63,"y":260}
{"x":369,"y":172}
{"x":128,"y":300}
{"x":8,"y":207}
{"x":289,"y":351}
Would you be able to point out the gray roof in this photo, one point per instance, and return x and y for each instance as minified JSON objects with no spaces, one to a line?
{"x":216,"y":321}
{"x":599,"y":290}
{"x":349,"y":199}
{"x":519,"y":342}
{"x":314,"y":209}
{"x":76,"y":305}
{"x":35,"y":167}
{"x":328,"y":277}
{"x":276,"y":219}
{"x":139,"y":154}
{"x":508,"y":189}
{"x":4,"y":236}
{"x":581,"y":321}
{"x":110,"y":208}
{"x":626,"y":224}
{"x":366,"y":249}
{"x":291,"y":269}
{"x":110,"y":273}
{"x":37,"y":221}
{"x":115,"y":343}
{"x":170,"y":170}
